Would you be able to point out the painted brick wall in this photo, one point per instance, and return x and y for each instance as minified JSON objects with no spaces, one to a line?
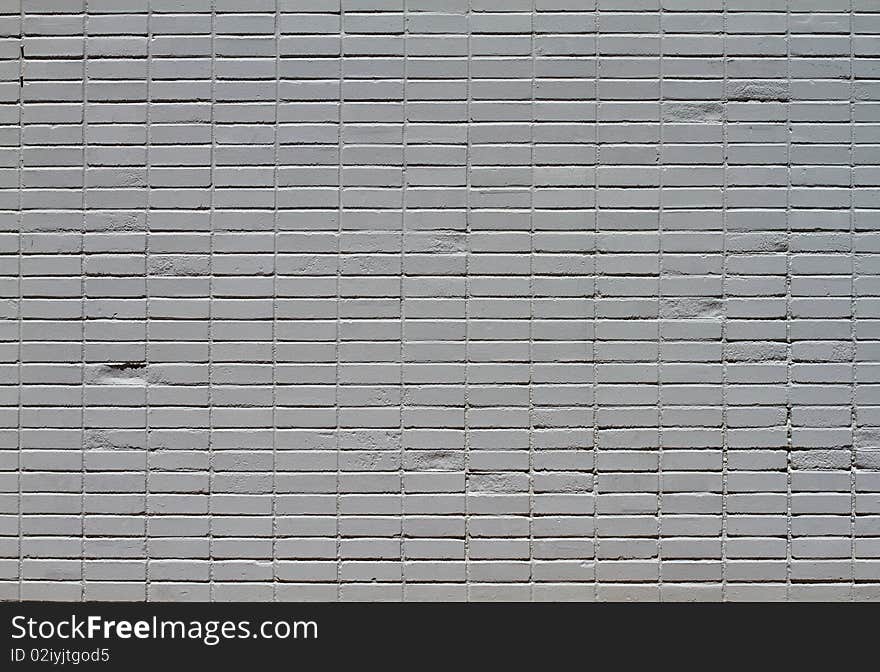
{"x":440,"y":300}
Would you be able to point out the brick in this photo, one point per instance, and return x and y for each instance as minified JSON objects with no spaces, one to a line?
{"x":436,"y":301}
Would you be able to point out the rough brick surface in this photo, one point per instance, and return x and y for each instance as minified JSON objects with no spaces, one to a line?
{"x":440,"y":299}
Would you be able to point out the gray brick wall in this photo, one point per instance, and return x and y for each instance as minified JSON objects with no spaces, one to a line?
{"x":440,"y":299}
